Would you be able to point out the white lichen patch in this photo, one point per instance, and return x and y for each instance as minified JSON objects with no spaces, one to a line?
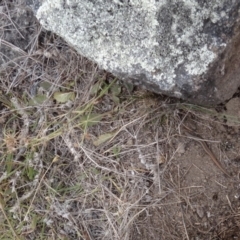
{"x":51,"y":4}
{"x":199,"y":60}
{"x":138,"y":36}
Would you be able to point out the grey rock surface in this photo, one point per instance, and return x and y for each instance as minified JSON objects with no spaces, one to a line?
{"x":189,"y":49}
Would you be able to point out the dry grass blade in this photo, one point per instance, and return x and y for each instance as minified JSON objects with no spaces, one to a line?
{"x":15,"y":235}
{"x":13,"y":47}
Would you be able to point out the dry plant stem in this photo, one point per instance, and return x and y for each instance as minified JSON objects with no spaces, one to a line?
{"x":111,"y":224}
{"x":185,"y":228}
{"x":6,"y":217}
{"x":13,"y":47}
{"x":37,"y":189}
{"x":157,"y":178}
{"x":30,"y":193}
{"x":89,"y":154}
{"x":25,"y":130}
{"x":71,"y":147}
{"x":24,"y":115}
{"x":9,"y":17}
{"x":230,"y":205}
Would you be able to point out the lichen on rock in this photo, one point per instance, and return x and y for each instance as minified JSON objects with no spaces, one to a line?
{"x":168,"y":46}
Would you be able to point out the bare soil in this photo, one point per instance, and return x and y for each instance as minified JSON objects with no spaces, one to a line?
{"x":198,"y":198}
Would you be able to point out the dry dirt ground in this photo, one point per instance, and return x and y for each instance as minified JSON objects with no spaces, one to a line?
{"x":85,"y":156}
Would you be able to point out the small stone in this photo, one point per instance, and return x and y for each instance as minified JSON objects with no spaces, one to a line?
{"x":200,"y":212}
{"x":181,"y":148}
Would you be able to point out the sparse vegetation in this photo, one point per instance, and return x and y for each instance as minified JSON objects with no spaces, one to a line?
{"x":85,"y":156}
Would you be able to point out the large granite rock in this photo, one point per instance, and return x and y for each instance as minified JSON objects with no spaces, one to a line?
{"x":184,"y":48}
